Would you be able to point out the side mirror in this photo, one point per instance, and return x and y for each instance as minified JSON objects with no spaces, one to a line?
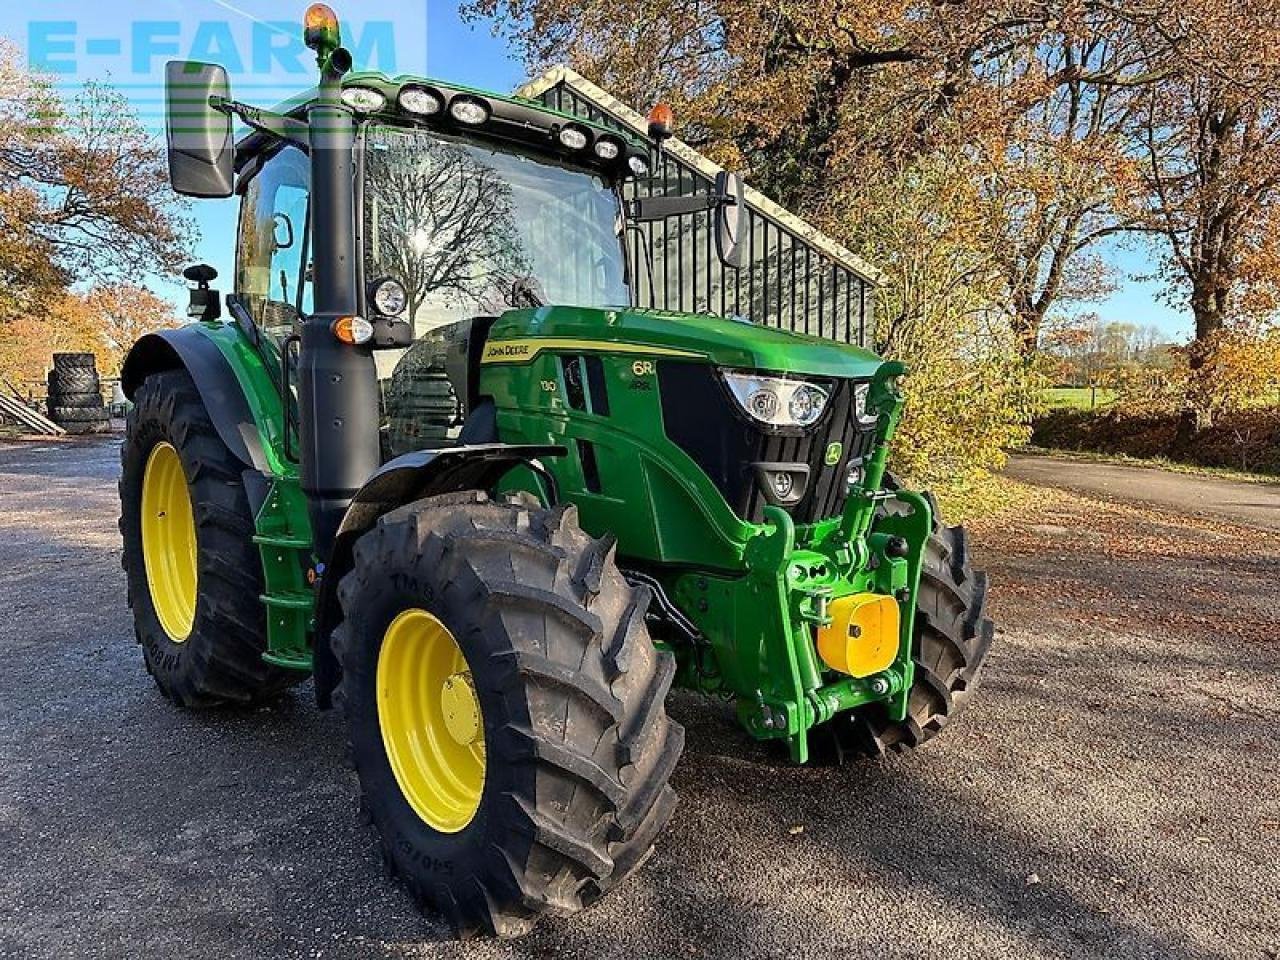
{"x":731,"y":219}
{"x":201,"y":150}
{"x":205,"y":303}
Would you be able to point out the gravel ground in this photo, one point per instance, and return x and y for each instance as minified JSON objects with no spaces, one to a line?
{"x":1111,"y":793}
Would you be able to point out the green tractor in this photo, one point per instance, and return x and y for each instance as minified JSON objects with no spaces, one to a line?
{"x":435,"y":458}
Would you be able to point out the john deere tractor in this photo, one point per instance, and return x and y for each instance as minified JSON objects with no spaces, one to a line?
{"x":434,"y":457}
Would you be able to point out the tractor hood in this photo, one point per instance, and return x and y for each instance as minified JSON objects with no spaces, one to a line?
{"x":518,"y":335}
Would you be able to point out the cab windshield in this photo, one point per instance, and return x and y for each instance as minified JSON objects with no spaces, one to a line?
{"x":473,"y":230}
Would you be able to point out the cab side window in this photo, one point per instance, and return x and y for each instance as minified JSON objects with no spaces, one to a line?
{"x":273,"y":251}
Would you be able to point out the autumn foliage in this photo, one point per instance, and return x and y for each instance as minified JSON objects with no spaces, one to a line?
{"x":985,"y":155}
{"x":86,"y":214}
{"x":105,"y":322}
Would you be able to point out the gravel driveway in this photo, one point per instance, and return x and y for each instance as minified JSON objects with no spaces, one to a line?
{"x":1112,"y":793}
{"x":1252,"y":504}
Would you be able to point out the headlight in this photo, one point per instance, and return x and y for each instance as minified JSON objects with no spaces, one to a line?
{"x":471,"y":112}
{"x":607,"y":149}
{"x":639,"y":166}
{"x":363,"y":99}
{"x":777,"y":401}
{"x":420,"y":100}
{"x":865,"y":417}
{"x":389,"y":297}
{"x":806,"y":403}
{"x":856,"y":473}
{"x":573,"y":138}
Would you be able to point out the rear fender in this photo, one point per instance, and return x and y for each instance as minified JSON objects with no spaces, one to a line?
{"x":195,"y":349}
{"x":423,"y":473}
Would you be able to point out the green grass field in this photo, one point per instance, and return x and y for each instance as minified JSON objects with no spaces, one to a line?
{"x":1078,"y":398}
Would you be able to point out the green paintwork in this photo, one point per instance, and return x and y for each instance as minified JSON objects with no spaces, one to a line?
{"x":725,"y":343}
{"x":282,"y":528}
{"x":285,"y":547}
{"x":756,"y":592}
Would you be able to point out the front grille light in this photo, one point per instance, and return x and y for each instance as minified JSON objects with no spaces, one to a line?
{"x":777,"y":401}
{"x":865,"y":417}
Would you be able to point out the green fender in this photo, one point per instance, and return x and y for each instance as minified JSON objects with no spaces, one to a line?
{"x":240,"y":395}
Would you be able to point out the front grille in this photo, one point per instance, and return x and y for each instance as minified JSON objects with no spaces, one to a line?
{"x":701,"y":418}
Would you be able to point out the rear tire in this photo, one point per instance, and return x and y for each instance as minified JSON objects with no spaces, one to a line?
{"x":952,"y":637}
{"x":570,"y":692}
{"x":65,"y":362}
{"x":220,"y":660}
{"x":74,"y":380}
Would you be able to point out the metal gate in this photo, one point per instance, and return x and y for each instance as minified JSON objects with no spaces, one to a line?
{"x":793,"y":277}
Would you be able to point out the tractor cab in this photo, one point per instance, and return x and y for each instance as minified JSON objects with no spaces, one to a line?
{"x":455,"y":233}
{"x":467,"y":205}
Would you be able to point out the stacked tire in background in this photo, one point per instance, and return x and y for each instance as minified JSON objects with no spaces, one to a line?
{"x":75,"y":394}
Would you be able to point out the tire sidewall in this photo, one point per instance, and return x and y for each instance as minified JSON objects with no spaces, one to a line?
{"x":424,"y":853}
{"x":164,"y":657}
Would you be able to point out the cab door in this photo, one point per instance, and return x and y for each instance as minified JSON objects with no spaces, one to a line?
{"x":273,"y":252}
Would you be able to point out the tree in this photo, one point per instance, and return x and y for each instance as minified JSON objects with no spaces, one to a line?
{"x":969,"y":392}
{"x":1091,"y":351}
{"x":444,"y":223}
{"x":821,"y":97}
{"x":1214,"y":178}
{"x":84,"y":194}
{"x":116,"y":316}
{"x":1208,"y":133}
{"x":104,"y":321}
{"x":1060,"y":177}
{"x":85,"y":209}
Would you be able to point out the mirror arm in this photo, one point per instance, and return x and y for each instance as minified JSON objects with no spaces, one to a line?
{"x":649,"y":209}
{"x":264,"y":121}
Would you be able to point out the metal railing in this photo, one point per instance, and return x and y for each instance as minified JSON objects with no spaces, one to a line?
{"x":792,"y":277}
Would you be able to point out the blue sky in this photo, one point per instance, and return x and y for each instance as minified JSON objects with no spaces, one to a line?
{"x":260,"y":42}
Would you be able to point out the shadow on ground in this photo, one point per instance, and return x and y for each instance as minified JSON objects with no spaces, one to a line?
{"x":1109,"y":794}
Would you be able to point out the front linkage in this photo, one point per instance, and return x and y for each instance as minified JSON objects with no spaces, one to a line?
{"x":850,"y":581}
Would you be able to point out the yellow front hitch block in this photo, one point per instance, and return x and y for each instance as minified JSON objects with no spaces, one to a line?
{"x":862,"y":637}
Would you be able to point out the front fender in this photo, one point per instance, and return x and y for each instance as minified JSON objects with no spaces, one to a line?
{"x":200,"y":351}
{"x":423,"y":473}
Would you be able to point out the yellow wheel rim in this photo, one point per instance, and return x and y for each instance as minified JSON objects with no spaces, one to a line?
{"x":432,"y":726}
{"x":169,"y":541}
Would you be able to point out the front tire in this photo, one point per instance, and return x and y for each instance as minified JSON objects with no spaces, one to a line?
{"x":561,"y":709}
{"x":952,"y":637}
{"x":194,"y":573}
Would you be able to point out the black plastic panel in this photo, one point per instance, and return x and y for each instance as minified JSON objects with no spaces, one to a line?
{"x":701,"y":418}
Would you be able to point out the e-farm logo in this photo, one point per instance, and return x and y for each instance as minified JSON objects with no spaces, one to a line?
{"x":73,"y":41}
{"x":66,"y":48}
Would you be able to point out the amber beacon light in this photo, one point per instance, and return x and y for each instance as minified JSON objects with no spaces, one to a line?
{"x":321,"y":32}
{"x":661,"y":121}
